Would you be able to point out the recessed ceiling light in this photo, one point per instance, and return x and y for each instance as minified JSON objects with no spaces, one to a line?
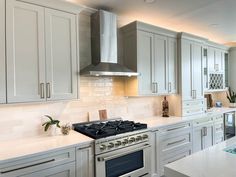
{"x":149,"y":1}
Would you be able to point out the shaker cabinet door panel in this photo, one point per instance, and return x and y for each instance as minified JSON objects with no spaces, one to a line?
{"x":172,"y":65}
{"x":160,"y":64}
{"x":186,"y":65}
{"x":198,"y":142}
{"x":61,"y":55}
{"x":25,"y":52}
{"x":145,"y":56}
{"x":197,"y":71}
{"x":211,"y":59}
{"x":2,"y":53}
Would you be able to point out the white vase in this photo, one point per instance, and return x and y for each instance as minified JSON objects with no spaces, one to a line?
{"x":53,"y":130}
{"x":232,"y":105}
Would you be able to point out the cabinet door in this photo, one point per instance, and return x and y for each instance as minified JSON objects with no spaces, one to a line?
{"x":186,"y":69}
{"x":208,"y":138}
{"x":172,"y":65}
{"x":218,"y":60}
{"x":2,"y":53}
{"x":67,"y":170}
{"x":211,"y":59}
{"x":160,"y":64}
{"x":84,"y":162}
{"x":61,"y":55}
{"x":145,"y":57}
{"x":198,"y":143}
{"x":197,"y":75}
{"x":25,"y":52}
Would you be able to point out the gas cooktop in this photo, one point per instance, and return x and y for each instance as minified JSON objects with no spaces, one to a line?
{"x":102,"y":129}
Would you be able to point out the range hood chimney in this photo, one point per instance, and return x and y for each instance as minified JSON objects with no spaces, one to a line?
{"x":104,"y":47}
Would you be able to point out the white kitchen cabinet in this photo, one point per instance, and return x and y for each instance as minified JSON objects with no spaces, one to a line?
{"x":154,"y":56}
{"x":67,"y":170}
{"x":58,"y":162}
{"x":85,"y":162}
{"x":41,"y":53}
{"x":2,"y":53}
{"x":25,"y":52}
{"x":172,"y":66}
{"x":215,"y":59}
{"x":203,"y":134}
{"x":191,"y":70}
{"x":61,"y":55}
{"x":218,"y":128}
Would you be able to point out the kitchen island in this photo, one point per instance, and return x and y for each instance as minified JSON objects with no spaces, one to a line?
{"x":211,"y":162}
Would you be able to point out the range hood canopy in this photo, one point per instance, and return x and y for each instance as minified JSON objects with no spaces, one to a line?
{"x":104,"y":47}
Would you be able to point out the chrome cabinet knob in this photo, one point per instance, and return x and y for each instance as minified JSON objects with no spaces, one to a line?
{"x":102,"y":147}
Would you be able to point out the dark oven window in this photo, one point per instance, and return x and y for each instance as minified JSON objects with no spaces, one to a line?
{"x":124,"y":164}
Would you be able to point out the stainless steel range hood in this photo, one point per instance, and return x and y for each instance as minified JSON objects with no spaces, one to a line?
{"x":104,"y":47}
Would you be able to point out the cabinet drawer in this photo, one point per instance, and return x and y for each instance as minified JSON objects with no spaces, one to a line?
{"x":175,"y":142}
{"x":36,"y":162}
{"x":219,"y":127}
{"x":67,"y":170}
{"x":175,"y":128}
{"x":219,"y":118}
{"x":192,"y":111}
{"x":219,"y":137}
{"x":172,"y":157}
{"x":193,"y":103}
{"x":202,"y":121}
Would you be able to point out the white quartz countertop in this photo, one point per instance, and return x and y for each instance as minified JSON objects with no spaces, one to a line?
{"x":28,"y":146}
{"x":212,"y":162}
{"x":159,"y":121}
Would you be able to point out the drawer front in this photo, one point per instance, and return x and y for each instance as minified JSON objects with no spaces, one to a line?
{"x":219,"y":128}
{"x":37,"y":162}
{"x":219,"y":118}
{"x":172,"y":157}
{"x":203,"y":121}
{"x":192,"y":111}
{"x":175,"y":142}
{"x":67,"y":170}
{"x":175,"y":128}
{"x":194,"y":103}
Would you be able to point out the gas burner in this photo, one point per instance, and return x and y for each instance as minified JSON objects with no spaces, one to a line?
{"x":100,"y":129}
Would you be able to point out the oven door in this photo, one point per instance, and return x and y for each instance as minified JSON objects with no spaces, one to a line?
{"x":131,"y":161}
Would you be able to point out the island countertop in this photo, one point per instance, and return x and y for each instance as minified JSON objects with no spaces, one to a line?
{"x":212,"y":162}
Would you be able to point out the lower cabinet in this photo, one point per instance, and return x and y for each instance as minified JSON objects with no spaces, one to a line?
{"x":67,"y":170}
{"x":55,"y":164}
{"x":85,"y":162}
{"x":203,"y":134}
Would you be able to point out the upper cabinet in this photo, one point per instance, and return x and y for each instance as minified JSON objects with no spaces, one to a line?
{"x":152,"y":52}
{"x":191,"y":74}
{"x":2,"y":53}
{"x":41,"y":53}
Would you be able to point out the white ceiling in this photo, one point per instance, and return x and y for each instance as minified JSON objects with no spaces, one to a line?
{"x":213,"y":19}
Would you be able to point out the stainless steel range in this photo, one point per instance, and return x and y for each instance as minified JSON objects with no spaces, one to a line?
{"x":122,"y":148}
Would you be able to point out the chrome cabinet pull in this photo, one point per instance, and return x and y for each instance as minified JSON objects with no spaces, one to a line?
{"x":28,"y":166}
{"x":175,"y":142}
{"x":41,"y":90}
{"x":169,"y":87}
{"x":48,"y":90}
{"x":176,"y":128}
{"x":153,"y":87}
{"x":156,"y":87}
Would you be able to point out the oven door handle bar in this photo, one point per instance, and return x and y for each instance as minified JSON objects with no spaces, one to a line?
{"x":102,"y":159}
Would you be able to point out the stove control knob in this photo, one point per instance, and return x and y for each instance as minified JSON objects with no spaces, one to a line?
{"x":145,"y":136}
{"x":110,"y":145}
{"x":138,"y":138}
{"x":118,"y":143}
{"x":103,"y":147}
{"x":125,"y":141}
{"x":131,"y":140}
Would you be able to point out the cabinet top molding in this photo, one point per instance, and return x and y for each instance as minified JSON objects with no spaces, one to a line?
{"x":137,"y":25}
{"x":62,"y":5}
{"x":192,"y":37}
{"x":216,"y":45}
